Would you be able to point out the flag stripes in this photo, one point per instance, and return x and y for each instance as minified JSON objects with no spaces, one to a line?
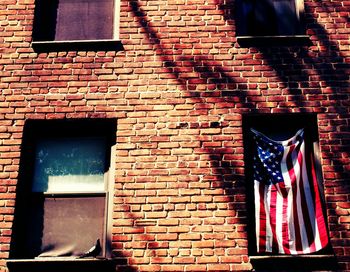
{"x":288,"y":210}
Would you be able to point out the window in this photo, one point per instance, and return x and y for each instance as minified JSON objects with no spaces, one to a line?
{"x":63,"y":191}
{"x":75,"y":24}
{"x":284,"y":185}
{"x":256,"y":19}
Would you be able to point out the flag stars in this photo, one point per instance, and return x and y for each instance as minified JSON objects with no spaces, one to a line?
{"x":266,"y":161}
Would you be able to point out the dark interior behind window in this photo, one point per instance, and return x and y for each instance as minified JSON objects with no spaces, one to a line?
{"x":267,"y":18}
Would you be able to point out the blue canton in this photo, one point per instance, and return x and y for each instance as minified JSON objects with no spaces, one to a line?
{"x":267,"y":160}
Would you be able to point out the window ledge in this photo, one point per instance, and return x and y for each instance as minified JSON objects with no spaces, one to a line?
{"x":294,"y":262}
{"x":77,"y":45}
{"x":60,"y":264}
{"x":257,"y":41}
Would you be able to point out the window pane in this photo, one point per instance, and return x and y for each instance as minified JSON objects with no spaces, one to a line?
{"x":69,"y":165}
{"x":287,"y":18}
{"x":84,"y":20}
{"x":267,"y":18}
{"x":256,"y":18}
{"x":55,"y":225}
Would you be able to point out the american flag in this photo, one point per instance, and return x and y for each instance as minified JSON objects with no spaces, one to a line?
{"x":288,"y":211}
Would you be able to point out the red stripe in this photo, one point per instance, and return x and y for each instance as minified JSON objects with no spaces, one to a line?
{"x":273,"y":218}
{"x":305,"y":212}
{"x":262,"y":219}
{"x":289,"y":162}
{"x":298,"y":244}
{"x":318,"y":208}
{"x":285,"y":229}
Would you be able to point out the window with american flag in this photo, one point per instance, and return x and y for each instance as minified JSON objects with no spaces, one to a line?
{"x":284,"y":181}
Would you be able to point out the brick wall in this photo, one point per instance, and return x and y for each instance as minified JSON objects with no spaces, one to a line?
{"x":178,"y":90}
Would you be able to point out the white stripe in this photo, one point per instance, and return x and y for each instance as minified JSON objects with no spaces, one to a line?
{"x":269,"y":236}
{"x":284,"y":168}
{"x":290,"y":217}
{"x":291,"y":226}
{"x":318,"y":243}
{"x":257,"y":213}
{"x":279,"y":221}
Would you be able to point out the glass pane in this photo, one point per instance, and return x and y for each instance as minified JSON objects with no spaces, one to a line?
{"x":287,"y":18}
{"x":84,"y":20}
{"x":54,"y":226}
{"x":260,"y":17}
{"x":70,"y":165}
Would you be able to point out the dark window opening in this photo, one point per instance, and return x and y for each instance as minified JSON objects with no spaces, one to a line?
{"x":62,"y":193}
{"x":271,"y":231}
{"x":269,"y":17}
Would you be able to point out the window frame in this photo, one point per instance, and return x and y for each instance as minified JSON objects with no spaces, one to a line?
{"x":80,"y":45}
{"x":38,"y":129}
{"x":245,"y":39}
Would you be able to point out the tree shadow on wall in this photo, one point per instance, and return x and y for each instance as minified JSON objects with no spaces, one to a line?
{"x":190,"y":70}
{"x":302,"y":73}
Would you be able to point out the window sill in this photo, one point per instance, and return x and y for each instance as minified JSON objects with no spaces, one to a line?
{"x":60,"y":264}
{"x":78,"y":45}
{"x":257,"y":41}
{"x":294,"y":262}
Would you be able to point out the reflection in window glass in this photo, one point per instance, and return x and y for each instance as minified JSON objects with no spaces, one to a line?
{"x":69,"y":165}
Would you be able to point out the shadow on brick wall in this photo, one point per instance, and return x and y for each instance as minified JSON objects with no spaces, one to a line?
{"x":314,"y":80}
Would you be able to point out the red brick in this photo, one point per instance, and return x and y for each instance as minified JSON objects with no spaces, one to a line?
{"x":218,"y":267}
{"x":196,"y":268}
{"x":178,"y":90}
{"x":150,"y":267}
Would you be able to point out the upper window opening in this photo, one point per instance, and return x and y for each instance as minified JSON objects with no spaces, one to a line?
{"x":269,"y":17}
{"x":74,"y":20}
